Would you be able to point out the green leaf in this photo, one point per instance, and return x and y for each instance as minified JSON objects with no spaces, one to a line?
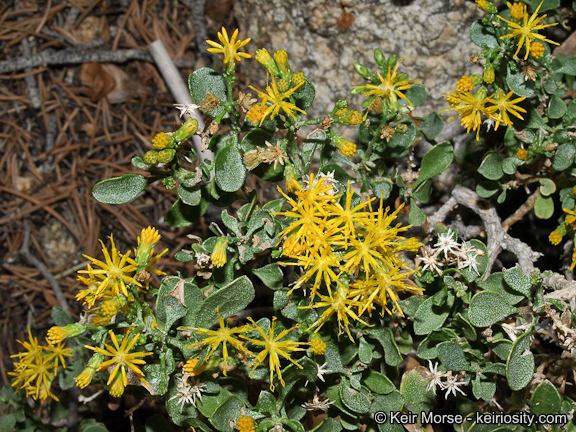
{"x":487,"y":308}
{"x":305,"y":96}
{"x":417,"y":95}
{"x":435,"y":161}
{"x":432,"y":126}
{"x":170,"y":305}
{"x":491,"y":166}
{"x":365,"y":351}
{"x":400,"y":144}
{"x":91,"y":425}
{"x":292,"y":375}
{"x":557,"y":108}
{"x":544,"y":207}
{"x":266,"y":402}
{"x":392,"y":355}
{"x":518,"y":281}
{"x":354,"y":400}
{"x":482,"y":262}
{"x":271,"y":275}
{"x":545,"y":399}
{"x":546,"y":5}
{"x":190,"y":195}
{"x":510,"y":165}
{"x":230,"y":299}
{"x":428,"y":348}
{"x":340,"y":173}
{"x":502,"y":348}
{"x":452,"y":356}
{"x":483,"y":388}
{"x":483,"y":35}
{"x":60,"y":317}
{"x":119,"y":190}
{"x":230,"y":222}
{"x":429,"y":317}
{"x":67,"y":378}
{"x":381,"y":189}
{"x":547,"y":186}
{"x":487,"y":189}
{"x":496,"y":283}
{"x":520,"y":364}
{"x":564,"y":157}
{"x":517,"y":82}
{"x":8,"y":423}
{"x":182,"y":215}
{"x":328,"y":425}
{"x":205,"y":79}
{"x":569,"y":68}
{"x":378,"y":382}
{"x":416,"y":216}
{"x":229,"y":169}
{"x":230,"y":409}
{"x":413,"y":389}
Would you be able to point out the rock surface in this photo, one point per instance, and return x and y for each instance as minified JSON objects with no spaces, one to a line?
{"x":323,"y":38}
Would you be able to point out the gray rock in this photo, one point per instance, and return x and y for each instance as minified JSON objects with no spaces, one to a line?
{"x":432,"y":37}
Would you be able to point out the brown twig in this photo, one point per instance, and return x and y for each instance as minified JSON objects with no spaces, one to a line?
{"x":521,"y":212}
{"x":41,"y":267}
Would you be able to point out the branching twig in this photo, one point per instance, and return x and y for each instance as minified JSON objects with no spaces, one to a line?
{"x":522,"y":210}
{"x":498,"y":238}
{"x":44,"y":271}
{"x":67,"y":57}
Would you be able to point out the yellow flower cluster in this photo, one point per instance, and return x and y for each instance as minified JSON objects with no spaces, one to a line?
{"x":473,"y":107}
{"x":273,"y":346}
{"x":351,"y":254}
{"x":108,"y":284}
{"x":37,"y":367}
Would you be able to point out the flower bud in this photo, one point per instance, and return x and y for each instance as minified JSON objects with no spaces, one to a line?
{"x":282,"y":61}
{"x":299,"y":80}
{"x":218,"y":256}
{"x":151,"y":157}
{"x":264,"y":58}
{"x":166,"y":155}
{"x":489,"y":75}
{"x":486,"y":6}
{"x":291,"y":177}
{"x":58,"y":334}
{"x":185,"y":131}
{"x":380,"y":59}
{"x":361,"y":70}
{"x":317,"y":344}
{"x":401,"y":128}
{"x":163,"y":140}
{"x":146,"y":242}
{"x":346,"y":147}
{"x":85,"y":377}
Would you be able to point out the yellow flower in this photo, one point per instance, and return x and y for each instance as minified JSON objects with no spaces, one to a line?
{"x":190,"y":366}
{"x":537,"y":50}
{"x":218,"y":256}
{"x":121,"y":357}
{"x":245,"y":424}
{"x":338,"y":304}
{"x":114,"y":272}
{"x":273,"y":347}
{"x":527,"y":32}
{"x":390,"y":87}
{"x":570,"y":217}
{"x":317,"y":344}
{"x":465,"y":84}
{"x":522,"y":154}
{"x":229,"y":47}
{"x":221,"y":336}
{"x":517,"y":10}
{"x":256,"y":113}
{"x":505,"y":106}
{"x":471,"y":109}
{"x":555,"y":237}
{"x":265,"y":59}
{"x":277,"y":102}
{"x":37,"y":367}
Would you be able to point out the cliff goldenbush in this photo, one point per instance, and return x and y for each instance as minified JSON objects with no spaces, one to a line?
{"x":374,"y":324}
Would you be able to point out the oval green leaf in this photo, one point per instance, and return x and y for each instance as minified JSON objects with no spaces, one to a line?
{"x":520,"y":364}
{"x":229,"y":169}
{"x":119,"y":190}
{"x":487,"y":308}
